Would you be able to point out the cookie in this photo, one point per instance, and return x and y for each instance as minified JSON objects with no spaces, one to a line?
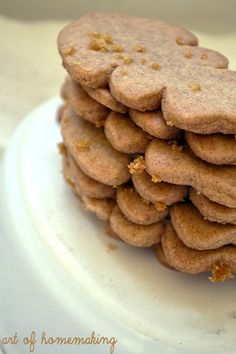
{"x":218,"y":149}
{"x":101,"y":49}
{"x":162,"y":258}
{"x":103,"y":95}
{"x":222,"y":261}
{"x":59,"y":112}
{"x":175,"y":165}
{"x":198,"y":233}
{"x":134,"y":234}
{"x":85,"y":106}
{"x":101,"y":207}
{"x":111,"y":233}
{"x":94,"y":45}
{"x":124,"y":135}
{"x":157,"y":192}
{"x":212,"y":211}
{"x":85,"y":184}
{"x":92,"y":152}
{"x":154,"y":124}
{"x":136,"y":209}
{"x":64,"y":89}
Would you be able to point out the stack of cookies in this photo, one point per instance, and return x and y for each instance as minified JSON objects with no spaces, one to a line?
{"x":148,"y":127}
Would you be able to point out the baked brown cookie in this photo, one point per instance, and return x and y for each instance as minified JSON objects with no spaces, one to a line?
{"x":173,"y":164}
{"x":198,"y":233}
{"x":154,"y":124}
{"x":161,"y":257}
{"x":134,"y":234}
{"x":92,"y":152}
{"x":94,"y":45}
{"x":124,"y":135}
{"x":103,"y":95}
{"x":158,"y":192}
{"x":212,"y":211}
{"x":136,"y":209}
{"x":85,"y":185}
{"x":102,"y":207}
{"x":101,"y":49}
{"x":218,"y":149}
{"x":83,"y":105}
{"x":222,"y":261}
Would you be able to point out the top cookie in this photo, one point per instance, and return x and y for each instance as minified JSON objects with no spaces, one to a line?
{"x":143,"y":61}
{"x":94,"y":45}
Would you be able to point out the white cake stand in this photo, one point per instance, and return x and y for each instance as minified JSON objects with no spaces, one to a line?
{"x":62,"y":277}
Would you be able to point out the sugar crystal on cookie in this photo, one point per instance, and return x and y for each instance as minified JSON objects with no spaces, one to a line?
{"x":137,"y":166}
{"x":160,"y":206}
{"x":220,"y":273}
{"x":82,"y":145}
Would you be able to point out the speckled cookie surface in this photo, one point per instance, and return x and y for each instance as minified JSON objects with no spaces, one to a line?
{"x":136,"y":209}
{"x":154,"y":124}
{"x":177,"y":166}
{"x":198,"y":233}
{"x":83,"y":105}
{"x":85,"y":184}
{"x":192,"y":261}
{"x":102,"y":207}
{"x":124,"y":135}
{"x":161,"y":192}
{"x":92,"y":152}
{"x":162,"y":258}
{"x":218,"y":149}
{"x":134,"y":234}
{"x":103,"y":95}
{"x":212,"y":211}
{"x":101,"y":49}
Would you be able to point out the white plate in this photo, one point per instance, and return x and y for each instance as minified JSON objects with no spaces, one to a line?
{"x":150,"y":308}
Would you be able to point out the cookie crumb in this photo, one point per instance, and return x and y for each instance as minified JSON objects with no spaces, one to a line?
{"x":204,"y":56}
{"x":179,"y":41}
{"x":155,"y":66}
{"x":115,"y":186}
{"x":98,"y":45}
{"x":160,"y":206}
{"x":175,"y":146}
{"x":137,"y":166}
{"x":100,"y":123}
{"x":124,"y":73}
{"x":168,"y":122}
{"x":139,"y":49}
{"x":108,"y":39}
{"x":117,"y":49}
{"x":82,"y":145}
{"x":111,"y":247}
{"x":126,"y":58}
{"x":220,"y":273}
{"x":62,"y":149}
{"x":188,"y":54}
{"x":69,"y":51}
{"x":156,"y":179}
{"x":198,"y":193}
{"x":143,"y":61}
{"x":195,"y":87}
{"x":96,"y":35}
